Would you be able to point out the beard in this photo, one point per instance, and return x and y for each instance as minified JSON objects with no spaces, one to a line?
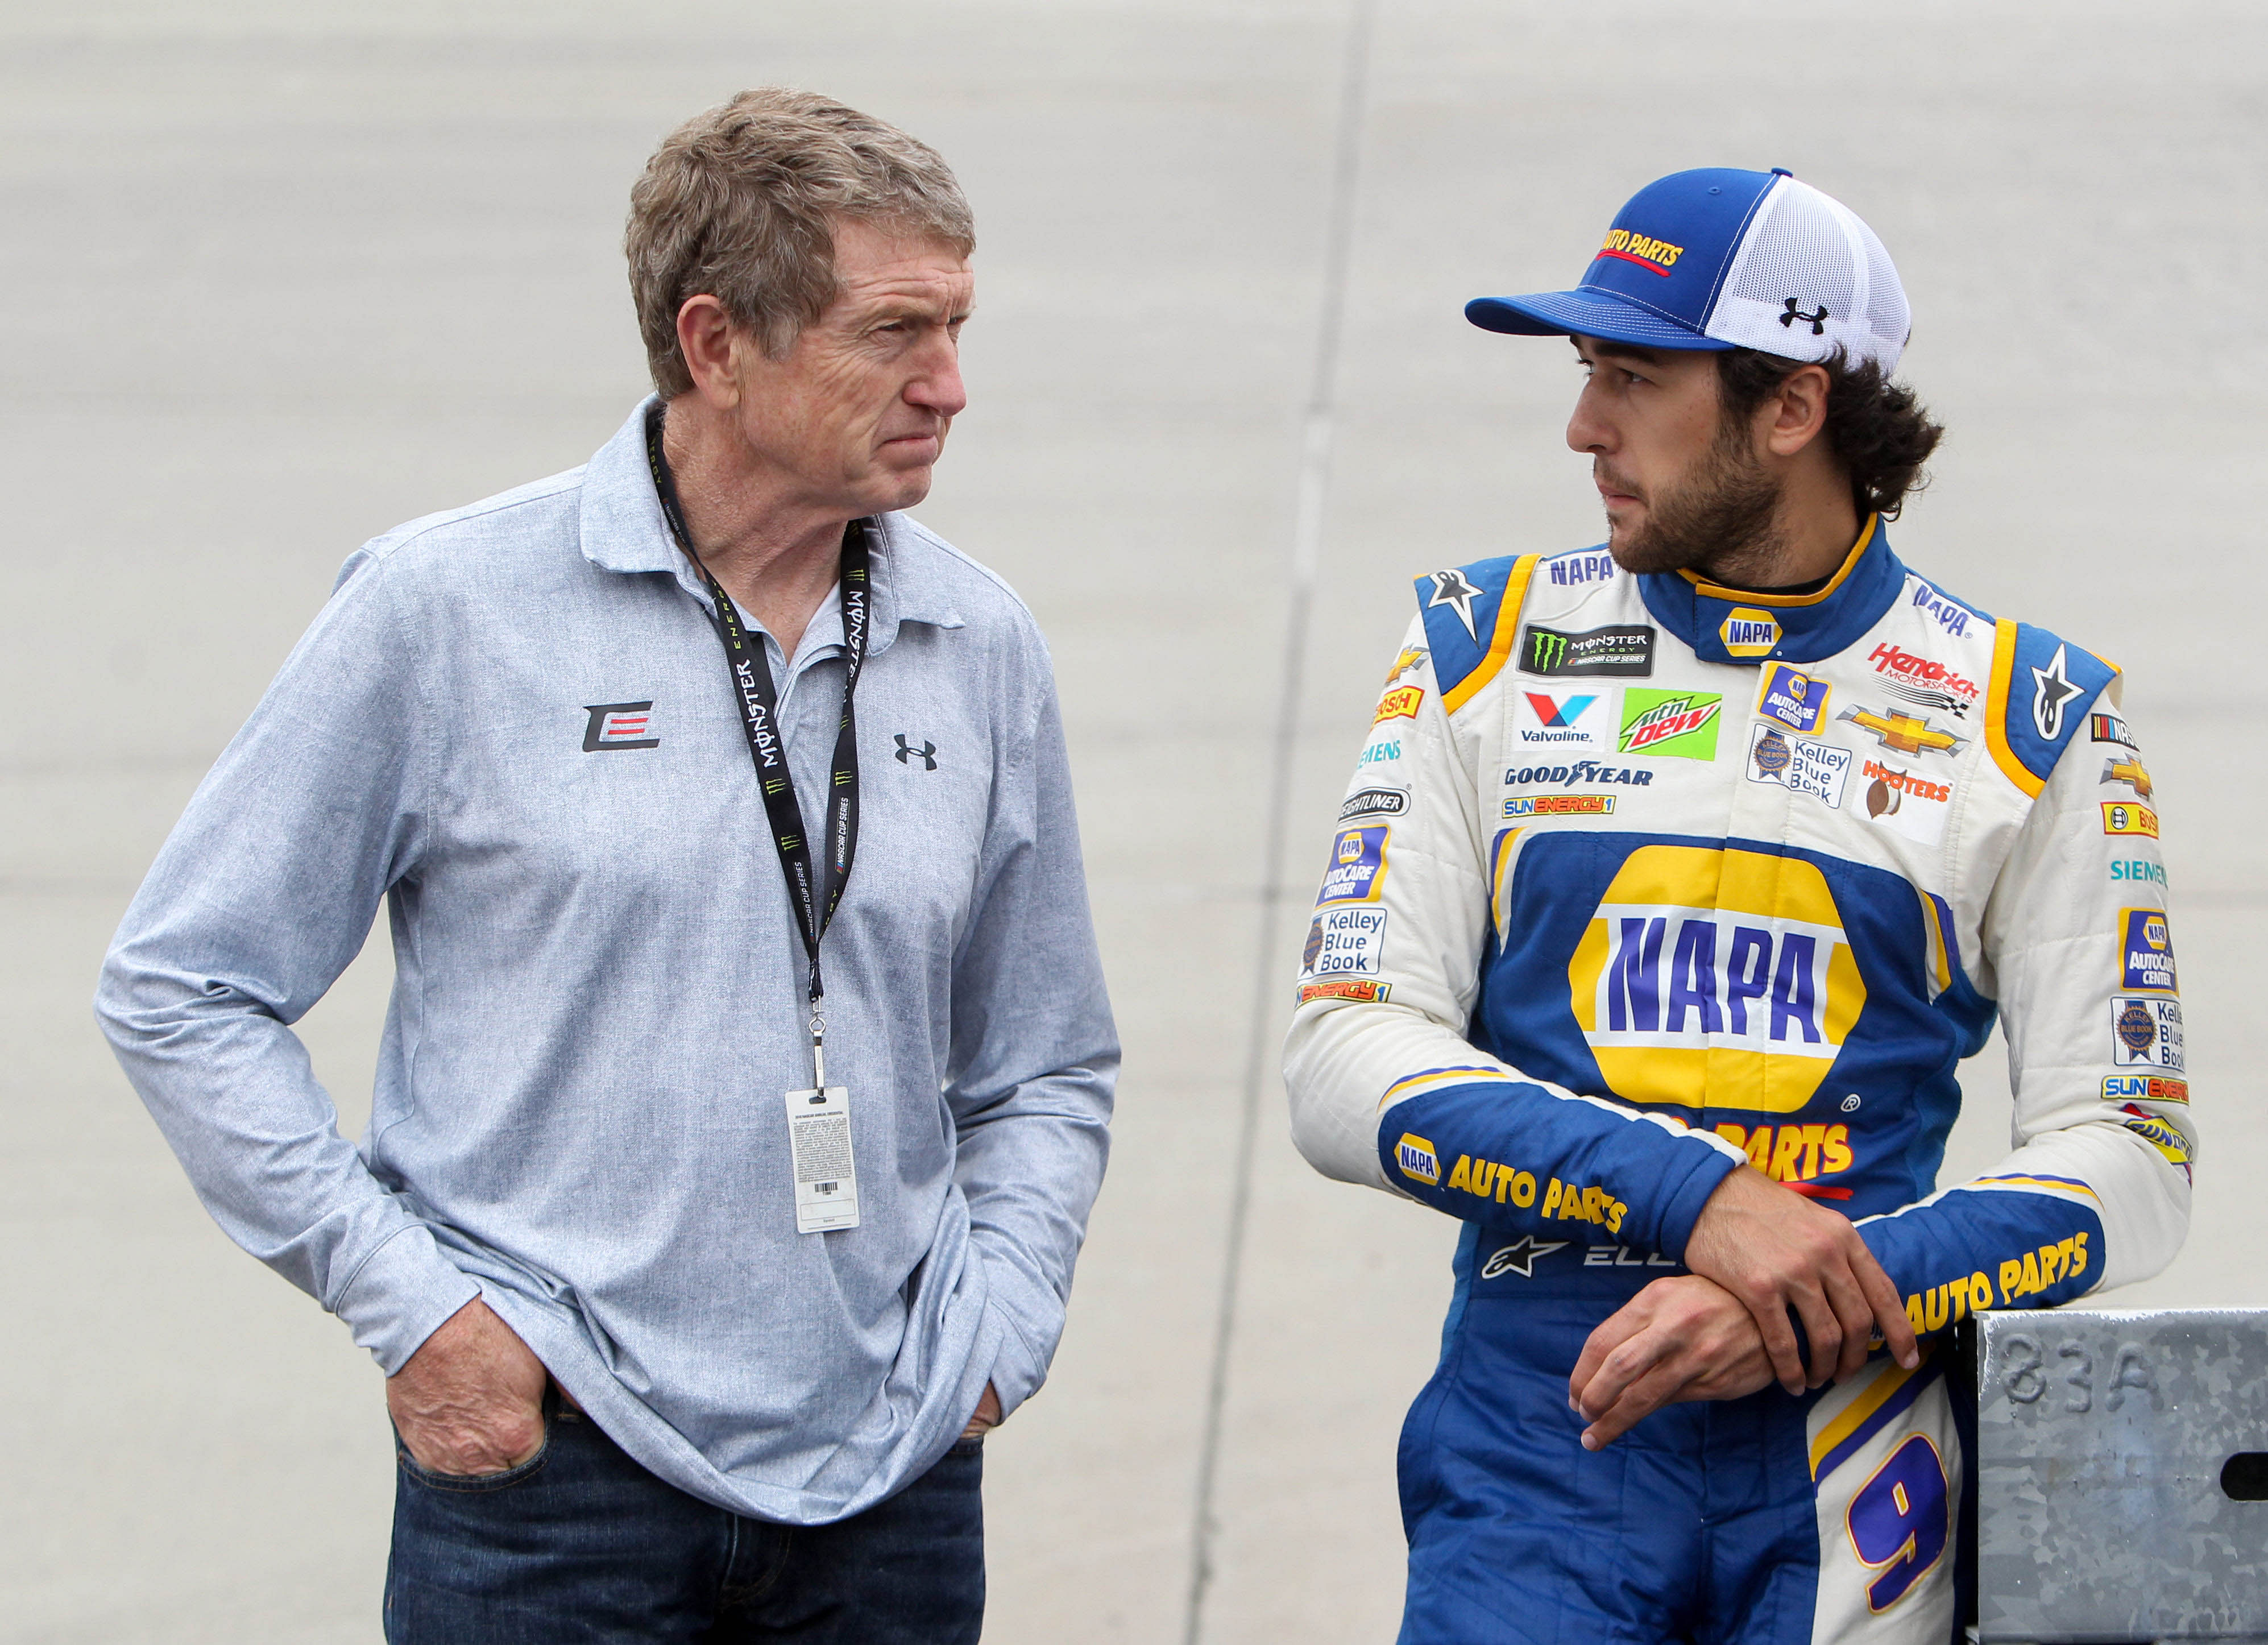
{"x":1720,"y":513}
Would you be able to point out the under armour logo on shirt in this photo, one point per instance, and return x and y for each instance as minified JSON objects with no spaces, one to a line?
{"x":926,"y":754}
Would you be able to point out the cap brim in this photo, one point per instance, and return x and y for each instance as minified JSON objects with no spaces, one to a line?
{"x":1585,"y":313}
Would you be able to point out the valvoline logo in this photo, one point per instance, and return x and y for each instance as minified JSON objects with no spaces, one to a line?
{"x":1718,"y":978}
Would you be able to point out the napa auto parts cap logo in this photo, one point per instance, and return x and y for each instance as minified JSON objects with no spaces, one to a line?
{"x":1681,"y":723}
{"x":1656,"y":256}
{"x":1716,"y":978}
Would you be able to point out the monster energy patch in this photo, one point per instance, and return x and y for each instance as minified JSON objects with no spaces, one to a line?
{"x":1622,"y":650}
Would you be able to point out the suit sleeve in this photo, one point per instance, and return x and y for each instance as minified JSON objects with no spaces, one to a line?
{"x":1385,"y":1088}
{"x":2078,"y":950}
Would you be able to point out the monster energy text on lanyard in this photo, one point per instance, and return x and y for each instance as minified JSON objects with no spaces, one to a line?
{"x":826,"y":1187}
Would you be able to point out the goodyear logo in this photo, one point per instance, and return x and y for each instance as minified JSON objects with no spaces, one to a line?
{"x":1717,"y":979}
{"x":1418,"y":1161}
{"x":2145,"y":949}
{"x":2119,"y":1087}
{"x":2119,"y":818}
{"x":1401,"y":703}
{"x":1748,"y":632}
{"x":1642,"y":249}
{"x":1793,"y":699}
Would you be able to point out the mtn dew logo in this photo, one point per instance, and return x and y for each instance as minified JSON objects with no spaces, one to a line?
{"x":1716,"y":978}
{"x":1681,"y":723}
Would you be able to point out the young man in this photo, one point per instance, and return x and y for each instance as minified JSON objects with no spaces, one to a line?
{"x":1678,"y":877}
{"x":693,"y":1319}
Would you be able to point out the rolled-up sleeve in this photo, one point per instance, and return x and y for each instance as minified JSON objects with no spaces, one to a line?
{"x":1034,"y":1055}
{"x":262,"y":895}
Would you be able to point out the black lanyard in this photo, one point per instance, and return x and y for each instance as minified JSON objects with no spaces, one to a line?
{"x":816,"y":894}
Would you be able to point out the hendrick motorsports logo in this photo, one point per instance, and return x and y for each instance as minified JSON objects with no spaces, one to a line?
{"x":1602,"y":652}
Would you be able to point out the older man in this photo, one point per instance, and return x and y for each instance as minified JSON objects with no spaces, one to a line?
{"x":745,"y":1086}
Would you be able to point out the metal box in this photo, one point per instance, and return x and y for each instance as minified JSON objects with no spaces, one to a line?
{"x":2121,"y":1469}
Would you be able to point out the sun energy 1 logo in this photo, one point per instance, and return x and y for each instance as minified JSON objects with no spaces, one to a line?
{"x":1716,"y":978}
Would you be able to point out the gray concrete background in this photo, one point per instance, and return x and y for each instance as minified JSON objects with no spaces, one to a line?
{"x":273,"y":277}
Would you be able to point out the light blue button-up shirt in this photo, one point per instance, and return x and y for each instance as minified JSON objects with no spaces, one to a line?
{"x":599,"y":996}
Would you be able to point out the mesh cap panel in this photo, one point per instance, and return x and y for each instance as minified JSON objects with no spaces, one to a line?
{"x":1808,"y":277}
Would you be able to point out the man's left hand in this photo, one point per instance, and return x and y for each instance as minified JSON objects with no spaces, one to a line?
{"x":987,"y":1417}
{"x":1681,"y":1337}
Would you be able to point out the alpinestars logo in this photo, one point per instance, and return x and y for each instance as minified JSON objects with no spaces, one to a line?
{"x":619,"y":725}
{"x":1454,"y":590}
{"x":1519,"y":1256}
{"x":2051,"y":690}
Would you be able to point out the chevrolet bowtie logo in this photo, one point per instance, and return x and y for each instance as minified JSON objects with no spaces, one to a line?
{"x":2128,"y":771}
{"x":1902,"y":734}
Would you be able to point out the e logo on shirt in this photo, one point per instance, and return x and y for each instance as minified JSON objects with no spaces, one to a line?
{"x":619,"y":725}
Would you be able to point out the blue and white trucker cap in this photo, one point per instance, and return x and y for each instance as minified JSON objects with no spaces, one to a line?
{"x":1721,"y":259}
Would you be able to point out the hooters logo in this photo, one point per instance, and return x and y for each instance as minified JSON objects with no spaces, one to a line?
{"x":1716,"y":978}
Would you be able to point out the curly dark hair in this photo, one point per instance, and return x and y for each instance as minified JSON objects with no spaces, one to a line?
{"x":1881,"y":433}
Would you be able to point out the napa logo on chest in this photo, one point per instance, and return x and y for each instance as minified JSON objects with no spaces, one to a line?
{"x":1718,"y":978}
{"x":1748,"y":632}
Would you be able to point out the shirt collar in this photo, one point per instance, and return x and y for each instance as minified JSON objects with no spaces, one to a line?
{"x":624,"y":530}
{"x":1733,"y":626}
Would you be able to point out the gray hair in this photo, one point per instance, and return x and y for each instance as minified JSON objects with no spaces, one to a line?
{"x":740,"y":203}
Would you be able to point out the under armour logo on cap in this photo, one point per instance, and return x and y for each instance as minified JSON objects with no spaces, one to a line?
{"x":926,"y":754}
{"x":1818,"y":321}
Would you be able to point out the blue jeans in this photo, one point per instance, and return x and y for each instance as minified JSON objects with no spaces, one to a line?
{"x":579,"y":1545}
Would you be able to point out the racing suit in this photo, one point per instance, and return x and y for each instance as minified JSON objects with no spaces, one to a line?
{"x":1640,"y":878}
